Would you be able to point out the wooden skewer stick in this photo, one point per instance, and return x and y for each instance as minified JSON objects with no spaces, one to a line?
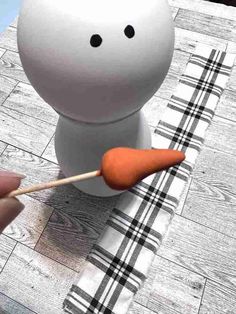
{"x":121,"y":168}
{"x":48,"y":185}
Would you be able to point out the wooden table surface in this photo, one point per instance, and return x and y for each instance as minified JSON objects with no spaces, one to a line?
{"x":43,"y":250}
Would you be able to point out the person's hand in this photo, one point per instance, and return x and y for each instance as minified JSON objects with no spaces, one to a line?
{"x":9,"y":207}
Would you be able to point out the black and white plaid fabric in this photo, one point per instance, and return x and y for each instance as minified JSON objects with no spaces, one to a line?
{"x":119,"y":262}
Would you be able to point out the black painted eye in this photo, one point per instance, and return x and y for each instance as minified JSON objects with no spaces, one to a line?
{"x":129,"y":31}
{"x":95,"y":40}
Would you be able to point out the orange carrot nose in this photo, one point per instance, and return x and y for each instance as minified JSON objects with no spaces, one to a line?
{"x":123,"y":167}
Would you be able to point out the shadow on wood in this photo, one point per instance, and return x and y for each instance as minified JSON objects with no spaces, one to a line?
{"x":75,"y":224}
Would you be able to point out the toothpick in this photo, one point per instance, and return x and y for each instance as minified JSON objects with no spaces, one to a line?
{"x":48,"y":185}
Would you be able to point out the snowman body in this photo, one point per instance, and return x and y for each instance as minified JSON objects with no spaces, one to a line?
{"x":96,"y":63}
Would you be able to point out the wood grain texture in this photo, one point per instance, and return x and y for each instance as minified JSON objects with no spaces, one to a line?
{"x":201,"y":250}
{"x":168,"y":86}
{"x":36,"y":169}
{"x":213,"y":192}
{"x":143,"y":294}
{"x":30,"y":223}
{"x":206,"y":24}
{"x":8,"y":39}
{"x":49,"y":152}
{"x":26,"y":100}
{"x":187,"y":40}
{"x":2,"y":51}
{"x":184,"y":196}
{"x":174,"y":12}
{"x":138,"y":308}
{"x":171,"y":289}
{"x":210,"y":8}
{"x":10,"y":66}
{"x":24,"y":131}
{"x":226,"y":107}
{"x":218,"y":300}
{"x":6,"y":86}
{"x":80,"y":218}
{"x":179,"y":62}
{"x":2,"y":147}
{"x":9,"y":306}
{"x":70,"y":233}
{"x":221,"y":135}
{"x":154,"y":109}
{"x":6,"y":247}
{"x":36,"y":281}
{"x":177,"y":67}
{"x":231,"y":47}
{"x":231,"y":84}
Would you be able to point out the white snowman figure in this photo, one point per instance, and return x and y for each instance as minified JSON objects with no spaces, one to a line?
{"x":96,"y":62}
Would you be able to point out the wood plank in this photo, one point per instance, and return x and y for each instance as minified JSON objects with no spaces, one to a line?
{"x":220,"y":135}
{"x":174,"y":12}
{"x":143,"y":294}
{"x":36,"y":281}
{"x":24,"y":131}
{"x":80,"y":218}
{"x":218,"y":300}
{"x":171,"y":289}
{"x":168,"y":86}
{"x":2,"y":147}
{"x":212,"y":196}
{"x":2,"y":51}
{"x":9,"y":306}
{"x":6,"y":86}
{"x":226,"y":107}
{"x":231,"y":47}
{"x":8,"y":39}
{"x":154,"y":110}
{"x":206,"y":24}
{"x":30,"y":223}
{"x":49,"y":152}
{"x":184,"y":196}
{"x":138,"y":308}
{"x":212,"y":8}
{"x":6,"y":247}
{"x":187,"y":40}
{"x":26,"y":100}
{"x":177,"y":68}
{"x":69,"y":236}
{"x":201,"y":250}
{"x":179,"y":62}
{"x":231,"y":84}
{"x":10,"y":66}
{"x":36,"y":169}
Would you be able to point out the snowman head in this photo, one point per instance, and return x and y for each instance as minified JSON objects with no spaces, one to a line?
{"x":95,"y":60}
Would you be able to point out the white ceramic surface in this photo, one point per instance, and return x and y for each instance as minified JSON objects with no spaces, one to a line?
{"x":96,"y":63}
{"x":80,"y":147}
{"x":95,"y":84}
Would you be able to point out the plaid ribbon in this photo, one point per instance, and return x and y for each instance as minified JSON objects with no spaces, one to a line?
{"x":118,"y":264}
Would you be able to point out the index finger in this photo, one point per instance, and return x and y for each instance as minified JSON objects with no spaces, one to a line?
{"x":7,"y":184}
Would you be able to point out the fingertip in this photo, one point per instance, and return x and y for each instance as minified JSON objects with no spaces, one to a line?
{"x":8,"y":184}
{"x":10,"y":208}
